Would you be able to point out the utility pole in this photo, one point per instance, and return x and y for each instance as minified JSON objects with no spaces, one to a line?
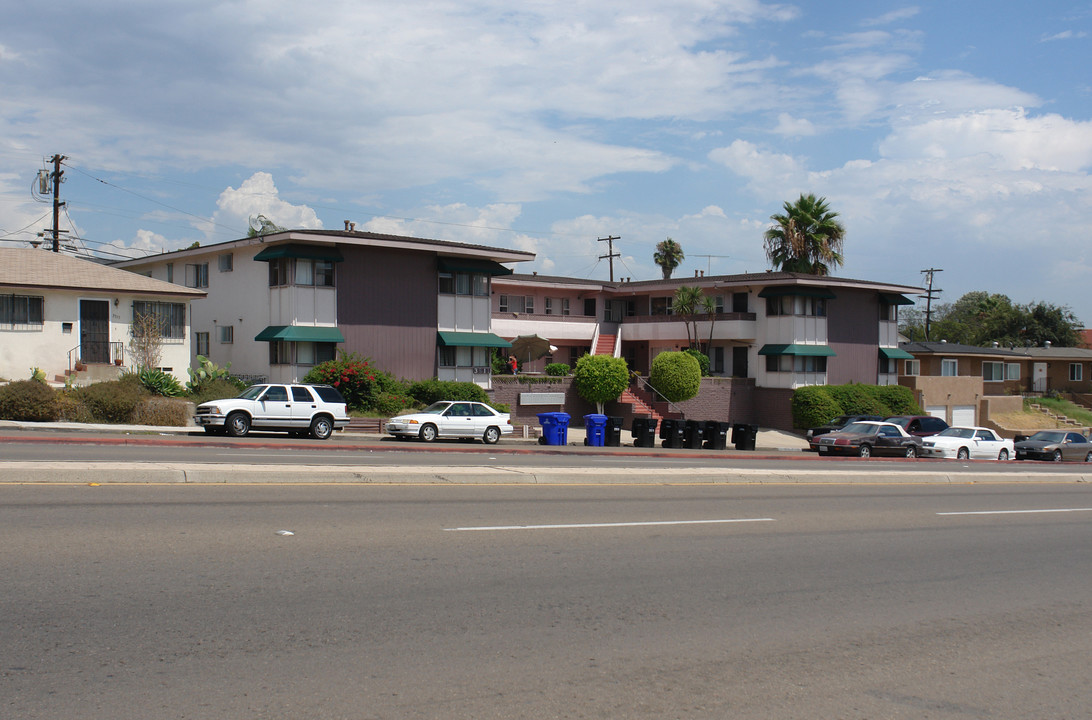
{"x":56,"y":175}
{"x":929,"y":293}
{"x":609,"y":240}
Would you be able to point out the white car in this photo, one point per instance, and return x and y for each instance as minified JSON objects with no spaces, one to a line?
{"x":452,"y":419}
{"x":963,"y":443}
{"x":317,"y":410}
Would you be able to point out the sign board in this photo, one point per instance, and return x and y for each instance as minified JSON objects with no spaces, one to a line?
{"x":542,"y":398}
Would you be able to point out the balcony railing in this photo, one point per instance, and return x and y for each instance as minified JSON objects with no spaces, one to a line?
{"x":96,"y":352}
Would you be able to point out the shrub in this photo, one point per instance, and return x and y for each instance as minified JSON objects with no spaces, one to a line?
{"x":817,"y":404}
{"x":387,"y":403}
{"x":857,"y":399}
{"x":29,"y":400}
{"x":162,"y":411}
{"x":898,"y":400}
{"x":558,"y":369}
{"x":813,"y":405}
{"x":71,"y":408}
{"x":600,"y":378}
{"x":114,"y":401}
{"x":675,"y":375}
{"x":206,"y":372}
{"x":158,"y":382}
{"x":351,"y":374}
{"x":218,"y":389}
{"x":427,"y":392}
{"x":702,"y":358}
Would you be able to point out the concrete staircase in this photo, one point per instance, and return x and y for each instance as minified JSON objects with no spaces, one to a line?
{"x":605,"y":345}
{"x":639,"y":407}
{"x":1060,"y":419}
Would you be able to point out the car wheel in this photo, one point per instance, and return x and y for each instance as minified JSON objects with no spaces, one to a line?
{"x":1057,"y":456}
{"x":1004,"y":455}
{"x":237,"y":424}
{"x":865,"y":451}
{"x":322,"y":428}
{"x":963,"y":454}
{"x":1088,"y":457}
{"x":492,"y":435}
{"x":428,"y":432}
{"x":911,"y":451}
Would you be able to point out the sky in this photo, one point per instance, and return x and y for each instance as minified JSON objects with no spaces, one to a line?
{"x":947,"y":135}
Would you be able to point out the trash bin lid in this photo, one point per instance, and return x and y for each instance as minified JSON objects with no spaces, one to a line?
{"x":596,"y":418}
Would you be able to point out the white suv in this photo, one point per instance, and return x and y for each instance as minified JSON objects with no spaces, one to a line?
{"x":298,"y":409}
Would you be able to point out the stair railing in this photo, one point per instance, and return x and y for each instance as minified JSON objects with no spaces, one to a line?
{"x":644,"y":385}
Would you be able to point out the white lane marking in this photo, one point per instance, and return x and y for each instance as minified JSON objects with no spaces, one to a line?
{"x":1017,"y":512}
{"x":607,"y":525}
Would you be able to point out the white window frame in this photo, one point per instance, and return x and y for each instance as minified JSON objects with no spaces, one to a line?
{"x":911,"y":368}
{"x":227,"y":334}
{"x":1076,"y":372}
{"x":949,"y":367}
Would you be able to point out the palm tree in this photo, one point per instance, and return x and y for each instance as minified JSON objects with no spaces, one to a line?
{"x":807,"y":238}
{"x":686,"y":303}
{"x":668,"y":256}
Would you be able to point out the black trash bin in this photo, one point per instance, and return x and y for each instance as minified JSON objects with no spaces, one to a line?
{"x":716,"y":435}
{"x":644,"y":432}
{"x":613,"y":432}
{"x":744,"y":436}
{"x":692,"y":434}
{"x":672,"y":432}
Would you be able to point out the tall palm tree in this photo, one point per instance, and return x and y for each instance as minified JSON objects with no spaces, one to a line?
{"x":668,"y":256}
{"x":686,"y":304}
{"x":806,"y":238}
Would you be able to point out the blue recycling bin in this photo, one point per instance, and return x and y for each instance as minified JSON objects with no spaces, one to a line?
{"x":555,"y":428}
{"x":595,"y":425}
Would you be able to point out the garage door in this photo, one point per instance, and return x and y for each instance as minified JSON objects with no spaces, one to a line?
{"x":963,"y":415}
{"x":937,"y":411}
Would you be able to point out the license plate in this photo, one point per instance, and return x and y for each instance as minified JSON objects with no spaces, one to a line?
{"x":823,"y":448}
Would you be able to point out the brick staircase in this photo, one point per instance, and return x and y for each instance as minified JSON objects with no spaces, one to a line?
{"x":639,"y":407}
{"x":605,"y":345}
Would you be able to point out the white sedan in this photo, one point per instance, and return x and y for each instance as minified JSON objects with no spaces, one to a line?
{"x":452,"y":419}
{"x":963,"y":443}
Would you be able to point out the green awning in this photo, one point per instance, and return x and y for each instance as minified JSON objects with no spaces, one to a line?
{"x":472,"y":265}
{"x":300,"y":333}
{"x":796,"y":291}
{"x":895,"y":299}
{"x":895,"y":354}
{"x":472,"y":339}
{"x":304,"y":252}
{"x":812,"y":350}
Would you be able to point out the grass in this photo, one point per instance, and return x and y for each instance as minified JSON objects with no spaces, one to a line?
{"x":1064,"y":407}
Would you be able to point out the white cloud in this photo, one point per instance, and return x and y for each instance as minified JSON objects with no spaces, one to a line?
{"x":258,"y":195}
{"x":793,"y":127}
{"x":893,"y":16}
{"x":1064,"y":35}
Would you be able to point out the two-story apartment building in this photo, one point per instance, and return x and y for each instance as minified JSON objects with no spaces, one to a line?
{"x":278,"y":304}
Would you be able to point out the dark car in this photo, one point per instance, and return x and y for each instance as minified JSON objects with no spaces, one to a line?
{"x":919,"y":425}
{"x":837,"y":424}
{"x":867,"y":439}
{"x":1056,"y":445}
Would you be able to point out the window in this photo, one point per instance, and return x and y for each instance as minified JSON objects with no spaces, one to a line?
{"x":21,"y":312}
{"x":517,"y":303}
{"x":718,"y":303}
{"x":197,"y":276}
{"x":280,"y":352}
{"x":170,"y":272}
{"x":889,"y":312}
{"x":548,"y":305}
{"x":170,"y":317}
{"x":589,"y":307}
{"x":889,"y":366}
{"x":278,"y":271}
{"x":447,"y":356}
{"x":324,"y":273}
{"x":993,"y":371}
{"x":912,"y":368}
{"x":662,"y":305}
{"x":303,"y":272}
{"x":1012,"y":371}
{"x":1076,"y":372}
{"x":564,"y":306}
{"x":227,"y":334}
{"x":949,"y":367}
{"x":446,"y":284}
{"x":796,"y":363}
{"x":796,"y":305}
{"x":301,"y":394}
{"x":481,"y":285}
{"x":777,"y":306}
{"x":201,"y":342}
{"x":275,"y":393}
{"x":226,"y":262}
{"x":462,"y":284}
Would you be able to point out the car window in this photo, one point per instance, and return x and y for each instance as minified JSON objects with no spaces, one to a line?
{"x":301,"y":394}
{"x":888,"y":431}
{"x":328,"y":394}
{"x":458,"y":410}
{"x":252,"y":392}
{"x":985,"y":435}
{"x":915,"y":426}
{"x":483,"y":411}
{"x":276,"y":393}
{"x":1074,"y":438}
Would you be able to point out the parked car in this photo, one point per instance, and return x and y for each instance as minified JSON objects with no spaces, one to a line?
{"x":1056,"y":445}
{"x":867,"y":439}
{"x":837,"y":424}
{"x":918,"y":425}
{"x":297,"y":409}
{"x":963,"y":443}
{"x":452,"y":419}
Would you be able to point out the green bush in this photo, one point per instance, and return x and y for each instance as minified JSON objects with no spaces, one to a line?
{"x":162,"y":411}
{"x":675,"y":375}
{"x":113,"y":401}
{"x":387,"y":403}
{"x":159,"y":382}
{"x":813,"y":405}
{"x":898,"y":400}
{"x":857,"y":399}
{"x":558,"y":369}
{"x":71,"y":408}
{"x":702,"y":358}
{"x":352,"y":375}
{"x":218,"y":389}
{"x":427,"y":392}
{"x":600,"y":378}
{"x":817,"y":404}
{"x":29,"y":400}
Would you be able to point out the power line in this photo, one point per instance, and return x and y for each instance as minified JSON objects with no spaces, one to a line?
{"x":609,"y":240}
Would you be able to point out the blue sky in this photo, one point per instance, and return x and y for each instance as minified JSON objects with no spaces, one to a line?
{"x":947,"y":135}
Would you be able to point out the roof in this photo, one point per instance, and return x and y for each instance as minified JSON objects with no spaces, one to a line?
{"x":1047,"y":353}
{"x":28,"y":269}
{"x":948,"y":348}
{"x":444,"y":248}
{"x":727,"y":282}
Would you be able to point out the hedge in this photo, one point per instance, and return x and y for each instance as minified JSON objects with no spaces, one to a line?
{"x":817,"y":404}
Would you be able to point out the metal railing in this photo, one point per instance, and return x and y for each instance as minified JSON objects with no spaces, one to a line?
{"x":96,"y":352}
{"x":639,"y":380}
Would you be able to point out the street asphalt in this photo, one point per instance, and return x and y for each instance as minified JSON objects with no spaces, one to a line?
{"x":770,"y":444}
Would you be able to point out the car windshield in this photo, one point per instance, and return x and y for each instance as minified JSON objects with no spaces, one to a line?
{"x":840,"y":420}
{"x":252,"y":392}
{"x":436,"y":408}
{"x":863,"y":428}
{"x":1047,"y":436}
{"x":957,"y":432}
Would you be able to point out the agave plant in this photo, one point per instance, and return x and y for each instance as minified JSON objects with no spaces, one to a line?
{"x":158,"y":382}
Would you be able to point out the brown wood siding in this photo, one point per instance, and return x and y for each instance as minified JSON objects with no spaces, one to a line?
{"x":853,"y":332}
{"x":386,"y":306}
